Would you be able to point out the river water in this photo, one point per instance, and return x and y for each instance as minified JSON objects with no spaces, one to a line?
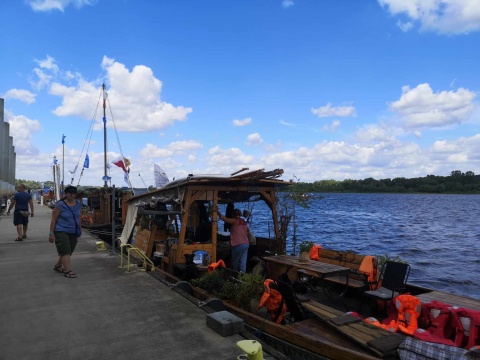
{"x":437,"y":234}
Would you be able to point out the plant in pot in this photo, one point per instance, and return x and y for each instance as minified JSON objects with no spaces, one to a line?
{"x":304,"y":250}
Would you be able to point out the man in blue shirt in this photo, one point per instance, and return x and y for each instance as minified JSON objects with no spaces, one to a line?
{"x":21,"y":200}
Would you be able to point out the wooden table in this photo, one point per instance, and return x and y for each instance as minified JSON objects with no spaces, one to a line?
{"x":323,"y":270}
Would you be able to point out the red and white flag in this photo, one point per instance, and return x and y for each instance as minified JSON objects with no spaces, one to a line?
{"x":120,"y":162}
{"x":105,"y":96}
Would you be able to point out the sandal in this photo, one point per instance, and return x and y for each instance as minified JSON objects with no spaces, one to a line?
{"x":59,"y":269}
{"x":24,"y":236}
{"x":19,"y":239}
{"x":69,"y":274}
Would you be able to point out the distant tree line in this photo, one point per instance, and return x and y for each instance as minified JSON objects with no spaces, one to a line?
{"x":456,"y":183}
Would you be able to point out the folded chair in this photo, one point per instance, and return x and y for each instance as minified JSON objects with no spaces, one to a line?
{"x":295,"y":309}
{"x":392,"y":282}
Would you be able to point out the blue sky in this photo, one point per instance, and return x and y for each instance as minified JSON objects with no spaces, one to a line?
{"x":322,"y":89}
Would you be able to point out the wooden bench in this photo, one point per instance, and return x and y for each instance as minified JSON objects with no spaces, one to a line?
{"x":346,"y":259}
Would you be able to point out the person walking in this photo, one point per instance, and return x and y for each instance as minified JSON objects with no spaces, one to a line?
{"x":21,"y":201}
{"x":65,"y":230}
{"x":238,"y":240}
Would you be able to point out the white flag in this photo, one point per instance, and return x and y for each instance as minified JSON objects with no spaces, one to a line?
{"x":161,"y":179}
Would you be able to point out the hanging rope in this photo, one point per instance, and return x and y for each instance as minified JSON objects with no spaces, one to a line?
{"x":86,"y":144}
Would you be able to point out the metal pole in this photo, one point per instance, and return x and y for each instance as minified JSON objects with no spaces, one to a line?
{"x":63,"y":161}
{"x":113,"y":220}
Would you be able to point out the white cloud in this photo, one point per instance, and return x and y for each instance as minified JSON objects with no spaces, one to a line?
{"x":441,"y":16}
{"x":376,"y":133}
{"x":283,"y":122}
{"x":329,"y":111}
{"x":43,"y":79}
{"x":242,"y":122}
{"x":48,"y":5}
{"x":49,"y":64}
{"x":287,"y":3}
{"x":333,"y":126}
{"x":20,"y":94}
{"x":254,"y":139}
{"x":21,"y":129}
{"x":228,"y":159}
{"x":172,"y":149}
{"x":421,"y":107}
{"x":134,"y":97}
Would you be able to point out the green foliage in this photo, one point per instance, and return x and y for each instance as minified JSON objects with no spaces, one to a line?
{"x":457,"y":182}
{"x":382,"y":258}
{"x":212,"y":283}
{"x":242,"y":291}
{"x":305,"y":246}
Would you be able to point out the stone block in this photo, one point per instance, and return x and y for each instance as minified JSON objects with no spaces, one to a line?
{"x":224,"y":323}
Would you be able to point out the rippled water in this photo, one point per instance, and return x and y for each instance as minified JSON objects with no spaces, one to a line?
{"x":438,"y":235}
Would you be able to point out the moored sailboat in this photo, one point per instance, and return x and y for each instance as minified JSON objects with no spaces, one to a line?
{"x":104,"y":208}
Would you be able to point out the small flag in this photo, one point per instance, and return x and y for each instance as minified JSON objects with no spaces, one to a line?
{"x":161,"y":178}
{"x":125,"y":177}
{"x":127,"y":162}
{"x":105,"y":96}
{"x":63,"y":139}
{"x":106,"y":178}
{"x":74,"y":170}
{"x":86,"y":164}
{"x":120,"y":163}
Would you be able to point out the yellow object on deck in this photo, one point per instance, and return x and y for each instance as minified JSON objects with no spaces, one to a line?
{"x":101,"y":245}
{"x":252,"y":348}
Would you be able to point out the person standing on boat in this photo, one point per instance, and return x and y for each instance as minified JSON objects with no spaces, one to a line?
{"x":65,"y":229}
{"x":21,"y":200}
{"x":238,"y":240}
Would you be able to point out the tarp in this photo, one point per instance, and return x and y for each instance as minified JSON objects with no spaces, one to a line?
{"x":129,"y":222}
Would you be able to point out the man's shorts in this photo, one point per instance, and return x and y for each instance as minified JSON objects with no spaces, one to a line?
{"x":65,"y":242}
{"x":19,"y":219}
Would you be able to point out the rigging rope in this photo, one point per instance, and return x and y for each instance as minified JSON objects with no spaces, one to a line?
{"x":87,"y":142}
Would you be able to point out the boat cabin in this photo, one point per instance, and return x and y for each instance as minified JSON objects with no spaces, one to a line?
{"x":181,"y":218}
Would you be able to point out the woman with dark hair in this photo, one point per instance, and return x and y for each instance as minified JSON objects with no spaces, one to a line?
{"x":238,"y":240}
{"x":65,"y":229}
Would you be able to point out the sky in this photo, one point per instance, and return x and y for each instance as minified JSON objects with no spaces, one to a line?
{"x":322,"y":89}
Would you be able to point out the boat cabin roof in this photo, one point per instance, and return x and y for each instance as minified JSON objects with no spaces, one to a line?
{"x":238,"y":187}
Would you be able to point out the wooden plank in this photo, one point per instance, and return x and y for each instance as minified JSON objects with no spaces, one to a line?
{"x":360,"y":332}
{"x":449,"y":298}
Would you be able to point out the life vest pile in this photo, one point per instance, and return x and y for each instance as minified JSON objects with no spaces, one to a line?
{"x":466,"y":324}
{"x":408,"y":311}
{"x":273,"y":301}
{"x":314,"y":253}
{"x":438,"y":323}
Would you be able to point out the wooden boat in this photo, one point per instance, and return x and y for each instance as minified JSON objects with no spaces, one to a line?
{"x":169,"y":223}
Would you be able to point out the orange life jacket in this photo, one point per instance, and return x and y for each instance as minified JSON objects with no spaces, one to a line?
{"x":219,"y":264}
{"x":409,"y":309}
{"x":314,"y":253}
{"x":87,"y":219}
{"x":273,"y":302}
{"x":369,"y":267}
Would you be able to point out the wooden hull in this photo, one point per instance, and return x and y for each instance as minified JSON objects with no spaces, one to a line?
{"x":311,"y":335}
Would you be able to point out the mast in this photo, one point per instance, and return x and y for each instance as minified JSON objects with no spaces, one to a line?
{"x":104,"y":134}
{"x":106,"y":207}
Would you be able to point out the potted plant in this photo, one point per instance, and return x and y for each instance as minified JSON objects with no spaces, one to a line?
{"x":304,"y":250}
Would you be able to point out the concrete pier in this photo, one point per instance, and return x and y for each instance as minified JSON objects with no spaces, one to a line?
{"x":104,"y":313}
